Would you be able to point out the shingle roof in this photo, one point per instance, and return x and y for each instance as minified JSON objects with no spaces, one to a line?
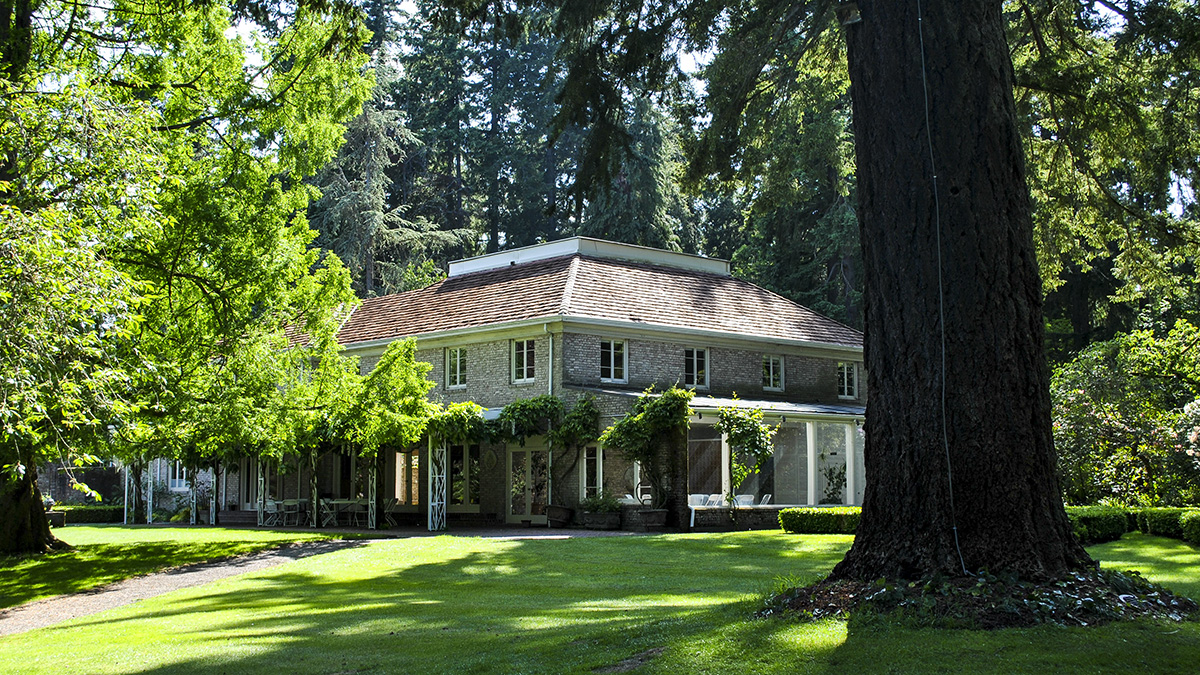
{"x":580,"y":286}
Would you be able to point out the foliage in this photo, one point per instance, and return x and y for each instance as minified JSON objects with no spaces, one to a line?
{"x":749,"y":437}
{"x":823,"y":520}
{"x":1189,"y":524}
{"x":580,"y":426}
{"x":1120,"y":421}
{"x":391,"y":409}
{"x":603,"y":502}
{"x":527,"y":417}
{"x":1163,"y":522}
{"x":458,"y":423}
{"x":653,"y":434}
{"x":1097,"y":524}
{"x":81,"y":514}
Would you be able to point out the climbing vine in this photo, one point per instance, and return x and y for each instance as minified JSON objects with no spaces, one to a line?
{"x":749,"y":438}
{"x":657,"y":423}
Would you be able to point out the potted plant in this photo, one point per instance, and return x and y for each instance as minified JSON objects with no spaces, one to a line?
{"x":601,"y":512}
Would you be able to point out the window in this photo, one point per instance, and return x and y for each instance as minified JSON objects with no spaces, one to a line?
{"x":408,"y":477}
{"x":456,"y":368}
{"x":177,"y":476}
{"x":522,"y":361}
{"x":847,"y":380}
{"x":612,"y":361}
{"x":772,"y":373}
{"x":464,"y":476}
{"x":592,"y":480}
{"x":695,"y":368}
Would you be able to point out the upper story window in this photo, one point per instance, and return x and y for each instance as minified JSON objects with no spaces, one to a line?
{"x":695,"y":368}
{"x":456,"y":367}
{"x":522,"y":361}
{"x":612,"y":361}
{"x":177,"y":476}
{"x":772,"y":373}
{"x":847,"y":380}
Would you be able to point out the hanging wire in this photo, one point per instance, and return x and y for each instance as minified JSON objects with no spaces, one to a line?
{"x":937,"y":219}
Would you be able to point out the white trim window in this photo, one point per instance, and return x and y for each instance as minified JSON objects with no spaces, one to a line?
{"x":463,"y":479}
{"x":612,"y":361}
{"x":591,"y":479}
{"x":177,"y":479}
{"x":695,"y":368}
{"x":456,"y":367}
{"x":772,"y":372}
{"x":522,"y":361}
{"x":847,"y":380}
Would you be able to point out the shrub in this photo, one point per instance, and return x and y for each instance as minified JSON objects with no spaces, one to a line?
{"x":1164,"y":522}
{"x":1097,"y":524}
{"x":1131,"y":519}
{"x":78,"y":515}
{"x":603,"y":502}
{"x":818,"y":520}
{"x":1190,"y":524}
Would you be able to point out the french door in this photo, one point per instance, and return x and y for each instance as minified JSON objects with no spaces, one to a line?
{"x":528,"y":485}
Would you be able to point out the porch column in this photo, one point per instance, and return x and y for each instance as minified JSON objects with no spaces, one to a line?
{"x":262,"y":493}
{"x":851,"y":478}
{"x":372,"y":474}
{"x":726,"y":468}
{"x":150,"y":492}
{"x":811,"y":436}
{"x":436,"y":518}
{"x":125,"y":511}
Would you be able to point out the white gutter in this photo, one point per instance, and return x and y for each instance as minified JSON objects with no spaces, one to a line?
{"x":610,"y":323}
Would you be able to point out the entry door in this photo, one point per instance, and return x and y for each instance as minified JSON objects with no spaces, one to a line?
{"x":528,"y":484}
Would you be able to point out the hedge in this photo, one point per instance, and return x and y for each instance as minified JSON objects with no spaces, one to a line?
{"x":1097,"y":524}
{"x":1163,"y":522}
{"x":77,"y":515}
{"x":827,"y":520}
{"x":1190,"y":524}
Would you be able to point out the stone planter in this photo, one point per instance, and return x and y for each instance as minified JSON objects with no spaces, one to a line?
{"x":57,"y":518}
{"x":559,"y":516}
{"x":654,"y":520}
{"x":602,"y":521}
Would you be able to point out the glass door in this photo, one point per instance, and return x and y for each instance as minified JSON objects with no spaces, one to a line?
{"x":528,"y":485}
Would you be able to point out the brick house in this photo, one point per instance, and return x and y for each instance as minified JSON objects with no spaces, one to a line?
{"x":583,"y":317}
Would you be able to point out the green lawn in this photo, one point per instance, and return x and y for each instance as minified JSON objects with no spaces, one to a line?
{"x":447,"y":604}
{"x":107,"y":553}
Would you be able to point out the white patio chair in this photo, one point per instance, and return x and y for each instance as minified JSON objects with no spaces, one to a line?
{"x":291,"y":512}
{"x":715,"y":499}
{"x":388,"y":508}
{"x":328,"y":514}
{"x":766,"y":499}
{"x":270,"y":513}
{"x":697,"y":500}
{"x":358,"y":513}
{"x":743,"y":500}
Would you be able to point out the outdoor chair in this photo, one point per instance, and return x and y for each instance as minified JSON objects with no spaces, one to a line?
{"x":388,"y":508}
{"x":328,"y":514}
{"x":744,"y":500}
{"x":766,"y":499}
{"x":357,"y":511}
{"x":270,"y":513}
{"x":697,"y":500}
{"x":291,"y":512}
{"x":715,"y":499}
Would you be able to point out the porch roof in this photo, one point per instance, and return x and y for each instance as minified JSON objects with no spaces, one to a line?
{"x":714,"y":403}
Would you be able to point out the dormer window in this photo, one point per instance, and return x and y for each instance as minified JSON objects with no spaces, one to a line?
{"x":612,"y":361}
{"x":847,"y":380}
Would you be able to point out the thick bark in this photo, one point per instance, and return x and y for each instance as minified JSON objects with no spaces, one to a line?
{"x":23,"y":524}
{"x":137,"y":494}
{"x":1005,"y":500}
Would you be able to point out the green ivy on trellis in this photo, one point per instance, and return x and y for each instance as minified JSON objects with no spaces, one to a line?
{"x":749,"y":438}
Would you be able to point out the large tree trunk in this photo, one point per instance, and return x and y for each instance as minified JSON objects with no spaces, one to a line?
{"x":998,"y":452}
{"x":23,"y":524}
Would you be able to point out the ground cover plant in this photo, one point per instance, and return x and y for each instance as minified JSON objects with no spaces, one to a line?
{"x":654,"y":604}
{"x":105,"y":554}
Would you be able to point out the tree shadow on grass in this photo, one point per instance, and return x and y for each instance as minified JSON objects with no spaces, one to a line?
{"x":514,"y":606}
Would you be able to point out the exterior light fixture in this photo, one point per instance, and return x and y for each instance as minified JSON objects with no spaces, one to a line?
{"x":847,"y":12}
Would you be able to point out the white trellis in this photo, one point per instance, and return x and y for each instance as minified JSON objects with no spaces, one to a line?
{"x":262,"y":492}
{"x":437,"y":487}
{"x":372,"y":484}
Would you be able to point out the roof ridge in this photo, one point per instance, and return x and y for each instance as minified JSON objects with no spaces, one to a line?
{"x":569,"y":287}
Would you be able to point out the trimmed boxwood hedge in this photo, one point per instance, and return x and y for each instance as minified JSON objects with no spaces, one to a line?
{"x":820,"y":520}
{"x":1097,"y":524}
{"x":1190,"y":524}
{"x":78,"y":515}
{"x":1163,"y":522}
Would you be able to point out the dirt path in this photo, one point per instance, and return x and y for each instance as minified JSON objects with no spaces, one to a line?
{"x":50,"y":611}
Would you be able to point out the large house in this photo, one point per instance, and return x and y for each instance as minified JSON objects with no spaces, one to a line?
{"x":585,"y":317}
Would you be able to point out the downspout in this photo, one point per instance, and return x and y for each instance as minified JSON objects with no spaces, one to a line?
{"x":550,"y":370}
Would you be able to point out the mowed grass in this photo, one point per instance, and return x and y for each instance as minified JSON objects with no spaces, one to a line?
{"x":654,"y":604}
{"x":104,"y":554}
